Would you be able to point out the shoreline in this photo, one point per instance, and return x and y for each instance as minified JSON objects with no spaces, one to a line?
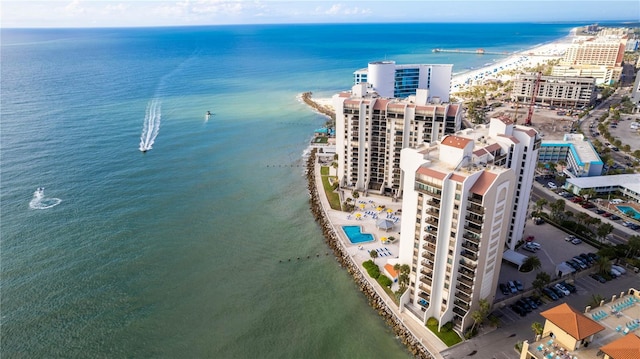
{"x":318,"y":208}
{"x":517,"y":61}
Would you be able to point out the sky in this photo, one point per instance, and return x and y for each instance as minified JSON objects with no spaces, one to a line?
{"x":134,"y":13}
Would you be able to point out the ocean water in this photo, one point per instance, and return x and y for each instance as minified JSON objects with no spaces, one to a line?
{"x":177,"y":252}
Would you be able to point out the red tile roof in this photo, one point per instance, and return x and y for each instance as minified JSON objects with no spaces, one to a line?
{"x":431,"y":173}
{"x":390,"y":270}
{"x":627,"y":347}
{"x":483,"y":183}
{"x":529,"y":131}
{"x":455,"y":141}
{"x":381,"y":104}
{"x":453,"y":109}
{"x":572,"y":322}
{"x":458,"y":178}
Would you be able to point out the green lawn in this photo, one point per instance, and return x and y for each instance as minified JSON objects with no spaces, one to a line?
{"x":449,"y":338}
{"x":333,"y":197}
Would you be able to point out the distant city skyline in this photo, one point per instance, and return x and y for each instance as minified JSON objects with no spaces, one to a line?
{"x":105,"y":13}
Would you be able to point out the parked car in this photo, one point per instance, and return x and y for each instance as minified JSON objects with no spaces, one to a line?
{"x":524,"y":305}
{"x":614,"y":273}
{"x":598,"y":277}
{"x":614,"y":218}
{"x":619,"y":268}
{"x":558,"y":292}
{"x":586,"y":258}
{"x":531,"y":302}
{"x":562,"y":289}
{"x":552,"y":185}
{"x":519,"y":285}
{"x":576,"y":241}
{"x":607,"y":214}
{"x":550,"y":294}
{"x":588,"y":205}
{"x":572,"y":288}
{"x":535,"y":245}
{"x":529,"y":248}
{"x":512,"y":287}
{"x":518,"y":309}
{"x":576,"y":199}
{"x":504,"y":289}
{"x":573,"y":266}
{"x":582,"y":264}
{"x":569,"y":238}
{"x":536,"y":300}
{"x":599,"y":211}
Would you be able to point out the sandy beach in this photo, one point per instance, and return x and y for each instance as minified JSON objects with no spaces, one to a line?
{"x":498,"y":70}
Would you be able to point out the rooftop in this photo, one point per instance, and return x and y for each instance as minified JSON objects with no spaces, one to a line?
{"x":615,"y":325}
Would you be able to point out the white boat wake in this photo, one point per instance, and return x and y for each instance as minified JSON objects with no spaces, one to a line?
{"x":151,"y":125}
{"x":40,"y":202}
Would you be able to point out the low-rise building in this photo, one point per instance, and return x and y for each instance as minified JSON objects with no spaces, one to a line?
{"x":576,"y":152}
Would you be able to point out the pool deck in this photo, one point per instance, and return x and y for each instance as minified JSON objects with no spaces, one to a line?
{"x":360,"y":252}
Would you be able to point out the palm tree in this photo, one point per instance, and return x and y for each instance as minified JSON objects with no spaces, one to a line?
{"x":531,"y":263}
{"x":541,"y":281}
{"x":540,"y":204}
{"x":603,"y":264}
{"x":537,"y":328}
{"x":373,"y":255}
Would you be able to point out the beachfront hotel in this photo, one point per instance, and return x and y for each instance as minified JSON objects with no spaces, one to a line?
{"x":400,"y":81}
{"x":598,"y":57}
{"x":558,"y":91}
{"x":469,"y":195}
{"x":372,"y":130}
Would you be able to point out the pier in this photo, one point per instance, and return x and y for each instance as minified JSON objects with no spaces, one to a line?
{"x":477,"y":52}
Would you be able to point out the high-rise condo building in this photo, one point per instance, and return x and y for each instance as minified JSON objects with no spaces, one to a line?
{"x":596,"y":51}
{"x":372,"y":130}
{"x":464,"y":202}
{"x":399,"y":81}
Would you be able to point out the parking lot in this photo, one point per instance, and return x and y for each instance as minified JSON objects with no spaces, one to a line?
{"x":554,"y":249}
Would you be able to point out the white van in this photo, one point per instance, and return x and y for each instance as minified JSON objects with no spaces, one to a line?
{"x":616,"y":201}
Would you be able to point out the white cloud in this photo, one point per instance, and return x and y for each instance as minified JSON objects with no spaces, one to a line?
{"x":340,"y":9}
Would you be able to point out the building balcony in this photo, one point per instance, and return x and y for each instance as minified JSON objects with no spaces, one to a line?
{"x":470,"y":246}
{"x":470,"y":255}
{"x":470,"y":275}
{"x":459,"y":311}
{"x":430,"y":238}
{"x":471,"y":238}
{"x":471,"y":266}
{"x":426,"y":271}
{"x":465,"y":281}
{"x":428,"y":255}
{"x":431,"y":221}
{"x":461,"y":289}
{"x":424,"y":288}
{"x":475,"y":209}
{"x":426,"y":280}
{"x":424,"y":295}
{"x":434,"y":202}
{"x":429,"y":246}
{"x":433,"y":211}
{"x":474,"y":219}
{"x":476,"y":199}
{"x":463,"y":297}
{"x":473,"y":228}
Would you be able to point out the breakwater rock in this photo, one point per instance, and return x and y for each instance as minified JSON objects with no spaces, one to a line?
{"x":325,"y":110}
{"x":412,"y":343}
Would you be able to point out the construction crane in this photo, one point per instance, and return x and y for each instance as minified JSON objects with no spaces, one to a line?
{"x":536,"y":88}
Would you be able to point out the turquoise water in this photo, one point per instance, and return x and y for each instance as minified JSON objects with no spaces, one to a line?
{"x":355,"y":235}
{"x":183,"y":252}
{"x":626,"y":210}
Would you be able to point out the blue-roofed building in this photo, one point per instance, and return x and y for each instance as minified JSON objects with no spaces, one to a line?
{"x":579,"y":154}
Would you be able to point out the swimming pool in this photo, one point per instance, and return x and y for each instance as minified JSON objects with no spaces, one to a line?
{"x":355,"y":236}
{"x":629,"y":211}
